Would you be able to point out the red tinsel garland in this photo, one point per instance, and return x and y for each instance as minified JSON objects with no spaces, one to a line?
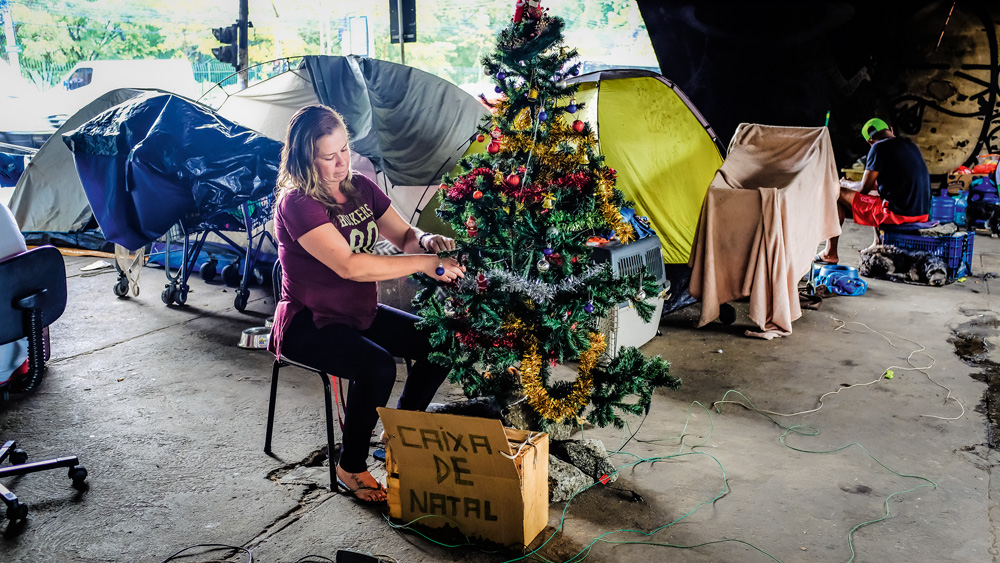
{"x":532,"y":193}
{"x":578,"y":180}
{"x":466,"y":184}
{"x":475,"y":339}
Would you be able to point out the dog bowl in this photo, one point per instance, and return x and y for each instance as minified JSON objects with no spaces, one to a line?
{"x":255,"y":338}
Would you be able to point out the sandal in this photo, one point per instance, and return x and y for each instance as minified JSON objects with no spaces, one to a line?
{"x":361,"y":489}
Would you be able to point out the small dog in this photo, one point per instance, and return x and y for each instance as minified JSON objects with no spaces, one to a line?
{"x":983,"y":211}
{"x":898,"y":264}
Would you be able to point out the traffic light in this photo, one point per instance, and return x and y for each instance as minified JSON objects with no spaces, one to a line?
{"x":228,"y":53}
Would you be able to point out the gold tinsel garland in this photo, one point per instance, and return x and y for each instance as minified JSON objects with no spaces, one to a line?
{"x":537,"y":394}
{"x":623,"y":231}
{"x":550,"y":158}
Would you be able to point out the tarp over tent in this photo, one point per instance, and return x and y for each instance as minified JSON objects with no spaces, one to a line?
{"x":49,"y":196}
{"x":663,"y":149}
{"x":158,"y":158}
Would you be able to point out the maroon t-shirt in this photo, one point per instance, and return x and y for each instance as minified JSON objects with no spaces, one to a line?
{"x":308,"y":283}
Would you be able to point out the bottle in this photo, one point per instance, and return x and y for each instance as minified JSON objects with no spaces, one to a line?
{"x":942,"y":208}
{"x":961,"y":202}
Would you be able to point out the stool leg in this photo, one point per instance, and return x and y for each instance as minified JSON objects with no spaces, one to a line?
{"x":330,"y":438}
{"x":270,"y":406}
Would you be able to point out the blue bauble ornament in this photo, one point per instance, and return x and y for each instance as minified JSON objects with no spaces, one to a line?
{"x":542,"y":116}
{"x":498,"y":89}
{"x":501,"y":75}
{"x":439,"y":271}
{"x":589,"y":307}
{"x":547,"y":252}
{"x":571,"y":108}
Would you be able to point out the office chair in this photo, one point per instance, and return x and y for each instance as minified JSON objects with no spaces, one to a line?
{"x":32,"y":296}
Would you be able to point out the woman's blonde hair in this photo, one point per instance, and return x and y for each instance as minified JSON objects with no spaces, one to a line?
{"x":297,"y":171}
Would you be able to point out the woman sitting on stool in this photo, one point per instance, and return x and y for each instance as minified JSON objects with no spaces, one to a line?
{"x":327,"y":220}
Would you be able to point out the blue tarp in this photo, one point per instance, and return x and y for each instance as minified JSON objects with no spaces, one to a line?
{"x":11,"y":168}
{"x":158,"y":159}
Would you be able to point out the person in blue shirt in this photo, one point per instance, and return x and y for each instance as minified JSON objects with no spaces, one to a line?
{"x":895,"y":170}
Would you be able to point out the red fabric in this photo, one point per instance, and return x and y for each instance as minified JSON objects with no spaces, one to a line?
{"x":871,"y":210}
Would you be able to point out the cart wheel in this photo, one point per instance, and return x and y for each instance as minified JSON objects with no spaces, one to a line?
{"x":17,"y":512}
{"x":241,"y":300}
{"x":18,"y":456}
{"x":168,"y":295}
{"x":121,"y":287}
{"x":208,"y":270}
{"x":727,"y":314}
{"x":78,"y":474}
{"x":256,"y":276}
{"x":181,"y":295}
{"x":231,"y":274}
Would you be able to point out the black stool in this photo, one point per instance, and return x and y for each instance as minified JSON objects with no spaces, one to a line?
{"x":280,"y":362}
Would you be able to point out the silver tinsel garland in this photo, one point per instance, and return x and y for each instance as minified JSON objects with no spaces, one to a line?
{"x":537,"y":290}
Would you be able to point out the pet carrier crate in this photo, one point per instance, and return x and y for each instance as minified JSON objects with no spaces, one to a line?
{"x":623,"y":326}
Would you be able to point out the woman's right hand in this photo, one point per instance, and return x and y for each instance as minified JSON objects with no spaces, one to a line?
{"x":452,"y":269}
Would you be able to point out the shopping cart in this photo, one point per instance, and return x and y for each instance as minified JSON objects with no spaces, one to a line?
{"x":162,"y":168}
{"x":188,"y":237}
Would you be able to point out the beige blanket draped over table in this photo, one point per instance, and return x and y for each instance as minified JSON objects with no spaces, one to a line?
{"x":769,"y":206}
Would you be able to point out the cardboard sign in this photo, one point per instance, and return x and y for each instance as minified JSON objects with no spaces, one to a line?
{"x":488,"y":481}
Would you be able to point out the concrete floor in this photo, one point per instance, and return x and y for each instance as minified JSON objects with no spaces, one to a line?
{"x":168,"y":415}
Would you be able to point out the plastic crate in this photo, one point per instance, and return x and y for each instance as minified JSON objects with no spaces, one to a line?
{"x":956,"y":250}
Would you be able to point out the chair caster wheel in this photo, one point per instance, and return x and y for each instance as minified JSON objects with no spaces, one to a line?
{"x":17,"y":512}
{"x":18,"y":456}
{"x":78,"y":474}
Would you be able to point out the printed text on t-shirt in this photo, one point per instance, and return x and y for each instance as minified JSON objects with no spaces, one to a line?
{"x":360,"y":241}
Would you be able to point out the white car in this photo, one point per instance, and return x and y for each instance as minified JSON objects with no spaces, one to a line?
{"x":20,"y":122}
{"x":28,"y":118}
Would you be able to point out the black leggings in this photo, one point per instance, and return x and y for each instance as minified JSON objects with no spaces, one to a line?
{"x":366,"y":358}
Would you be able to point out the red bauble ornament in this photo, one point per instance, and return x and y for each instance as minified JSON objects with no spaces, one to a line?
{"x":513,"y":179}
{"x":493,"y":148}
{"x":480,"y":138}
{"x":477,"y":194}
{"x":578,"y":126}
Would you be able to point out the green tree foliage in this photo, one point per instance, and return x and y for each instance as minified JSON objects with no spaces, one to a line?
{"x":524,"y":212}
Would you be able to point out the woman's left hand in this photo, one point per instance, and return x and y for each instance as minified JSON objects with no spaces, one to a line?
{"x":439,"y":243}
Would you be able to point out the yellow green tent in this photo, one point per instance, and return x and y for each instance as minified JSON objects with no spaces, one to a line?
{"x":665,"y":152}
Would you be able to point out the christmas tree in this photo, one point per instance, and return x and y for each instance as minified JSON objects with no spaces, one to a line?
{"x":524,"y":212}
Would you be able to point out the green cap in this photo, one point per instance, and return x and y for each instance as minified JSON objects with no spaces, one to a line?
{"x":872,"y":126}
